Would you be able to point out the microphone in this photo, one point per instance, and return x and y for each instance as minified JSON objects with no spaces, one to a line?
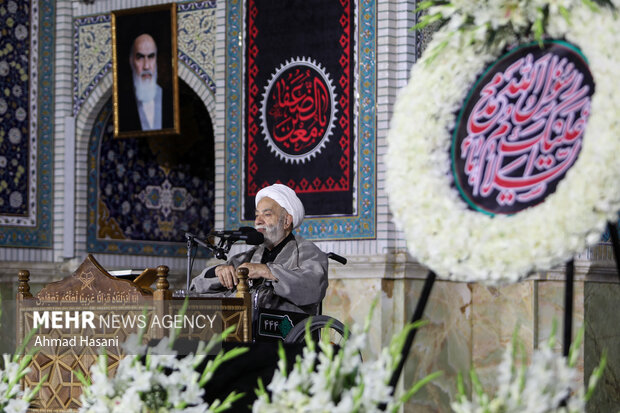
{"x":247,"y":234}
{"x":190,"y":236}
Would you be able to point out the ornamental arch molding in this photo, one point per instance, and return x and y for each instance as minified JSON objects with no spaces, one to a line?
{"x":85,"y":121}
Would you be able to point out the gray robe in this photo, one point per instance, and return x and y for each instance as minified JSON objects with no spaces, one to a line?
{"x":301,"y":270}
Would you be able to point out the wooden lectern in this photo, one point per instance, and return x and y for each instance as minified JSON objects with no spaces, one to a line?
{"x":60,"y":311}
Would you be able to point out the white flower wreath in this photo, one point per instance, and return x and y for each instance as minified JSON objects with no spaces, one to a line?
{"x":442,"y":232}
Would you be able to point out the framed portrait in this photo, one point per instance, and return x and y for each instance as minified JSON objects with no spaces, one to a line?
{"x":144,"y":64}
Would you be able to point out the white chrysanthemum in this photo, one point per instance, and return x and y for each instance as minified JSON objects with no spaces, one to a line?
{"x":441,"y":232}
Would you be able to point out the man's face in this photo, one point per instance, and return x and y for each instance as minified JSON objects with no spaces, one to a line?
{"x":143,"y":58}
{"x":272,"y":221}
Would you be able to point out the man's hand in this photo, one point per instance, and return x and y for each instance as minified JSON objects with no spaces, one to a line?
{"x":258,"y":271}
{"x":227,"y":276}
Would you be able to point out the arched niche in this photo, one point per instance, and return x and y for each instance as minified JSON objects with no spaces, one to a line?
{"x":139,"y":196}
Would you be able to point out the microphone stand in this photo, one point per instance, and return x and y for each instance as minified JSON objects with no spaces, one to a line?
{"x":219,"y":251}
{"x":190,"y":242}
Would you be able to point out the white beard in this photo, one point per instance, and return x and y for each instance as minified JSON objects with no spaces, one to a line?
{"x":145,"y":89}
{"x":273,"y":234}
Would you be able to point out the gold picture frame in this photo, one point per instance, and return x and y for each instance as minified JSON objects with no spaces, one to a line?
{"x":144,"y":45}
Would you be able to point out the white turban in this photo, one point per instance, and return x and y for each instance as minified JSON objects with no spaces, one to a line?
{"x":286,"y":198}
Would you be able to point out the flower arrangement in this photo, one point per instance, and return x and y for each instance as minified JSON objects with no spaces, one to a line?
{"x":12,"y":398}
{"x":457,"y":242}
{"x":328,"y":380}
{"x":154,"y":380}
{"x":547,"y":385}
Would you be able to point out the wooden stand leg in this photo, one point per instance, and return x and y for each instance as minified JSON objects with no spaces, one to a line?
{"x":568,"y":307}
{"x":417,"y":315}
{"x":615,"y":244}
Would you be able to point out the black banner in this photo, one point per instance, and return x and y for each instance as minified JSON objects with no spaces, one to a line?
{"x":299,"y":102}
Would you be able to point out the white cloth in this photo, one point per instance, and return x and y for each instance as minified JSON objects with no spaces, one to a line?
{"x":286,"y":198}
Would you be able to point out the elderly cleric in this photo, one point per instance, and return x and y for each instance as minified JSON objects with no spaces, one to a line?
{"x":286,"y":272}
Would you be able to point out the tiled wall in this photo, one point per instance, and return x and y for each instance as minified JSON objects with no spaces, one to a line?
{"x":26,"y":110}
{"x":83,"y":86}
{"x":468,"y":323}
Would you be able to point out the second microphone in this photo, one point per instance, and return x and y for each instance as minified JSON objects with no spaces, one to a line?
{"x":247,"y":234}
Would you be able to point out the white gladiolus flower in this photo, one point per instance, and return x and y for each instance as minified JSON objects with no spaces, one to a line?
{"x":14,"y":399}
{"x":339,"y":382}
{"x":16,"y":406}
{"x":164,"y":383}
{"x":540,"y":386}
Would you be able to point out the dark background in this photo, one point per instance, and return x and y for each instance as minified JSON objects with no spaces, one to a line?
{"x":281,"y":31}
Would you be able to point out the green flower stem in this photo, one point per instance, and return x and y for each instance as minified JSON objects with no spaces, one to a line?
{"x":176,"y":331}
{"x":32,"y":393}
{"x":282,"y":359}
{"x":418,"y":385}
{"x":591,"y":4}
{"x":539,"y":26}
{"x":85,"y":380}
{"x":597,"y":373}
{"x":573,"y":353}
{"x":22,"y":346}
{"x":424,"y":5}
{"x":460,"y":385}
{"x":227,"y":403}
{"x":221,"y":357}
{"x":427,"y":21}
{"x":261,"y":391}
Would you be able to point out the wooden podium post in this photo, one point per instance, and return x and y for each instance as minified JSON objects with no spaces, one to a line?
{"x":243,"y":291}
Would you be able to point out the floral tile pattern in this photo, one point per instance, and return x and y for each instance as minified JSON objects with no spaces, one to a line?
{"x":138,"y":203}
{"x":26,"y":108}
